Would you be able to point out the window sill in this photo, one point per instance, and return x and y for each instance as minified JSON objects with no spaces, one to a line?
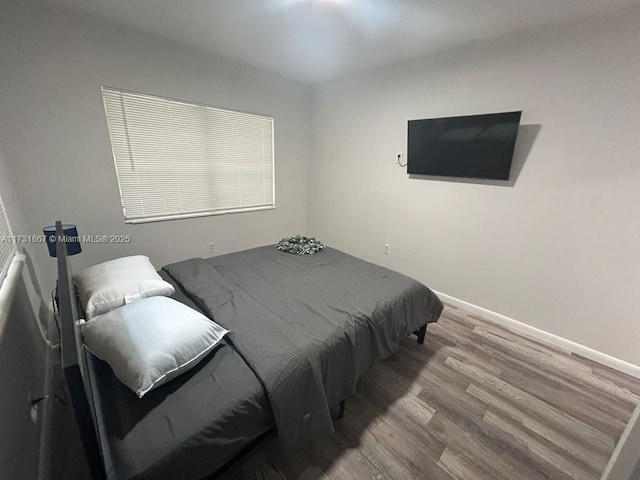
{"x":165,"y":218}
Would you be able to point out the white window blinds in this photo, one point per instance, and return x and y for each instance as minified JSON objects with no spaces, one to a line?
{"x":176,"y":159}
{"x":7,"y":245}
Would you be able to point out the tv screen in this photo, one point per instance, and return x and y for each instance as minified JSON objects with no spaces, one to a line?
{"x":476,"y":146}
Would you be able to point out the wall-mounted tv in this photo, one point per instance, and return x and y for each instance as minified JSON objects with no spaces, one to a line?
{"x":475,"y":146}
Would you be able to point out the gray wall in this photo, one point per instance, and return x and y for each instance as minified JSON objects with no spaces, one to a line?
{"x":23,"y":359}
{"x":53,"y":131}
{"x":557,"y":249}
{"x":22,"y":377}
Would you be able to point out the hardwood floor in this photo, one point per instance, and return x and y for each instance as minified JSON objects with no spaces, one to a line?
{"x":474,"y":402}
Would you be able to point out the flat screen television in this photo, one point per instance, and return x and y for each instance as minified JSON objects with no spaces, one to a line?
{"x":475,"y":146}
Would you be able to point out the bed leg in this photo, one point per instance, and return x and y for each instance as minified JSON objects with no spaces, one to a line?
{"x":341,"y":412}
{"x":421,"y":334}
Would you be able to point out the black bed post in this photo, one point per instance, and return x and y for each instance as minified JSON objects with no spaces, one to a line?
{"x":341,"y":412}
{"x":421,"y":334}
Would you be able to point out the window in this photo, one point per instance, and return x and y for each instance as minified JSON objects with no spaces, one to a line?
{"x":7,"y":245}
{"x":175,"y":159}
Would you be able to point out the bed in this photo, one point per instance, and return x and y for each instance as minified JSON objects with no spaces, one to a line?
{"x":302,"y":330}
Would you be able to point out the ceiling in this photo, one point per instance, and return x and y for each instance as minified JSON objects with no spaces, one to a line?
{"x":316,"y":40}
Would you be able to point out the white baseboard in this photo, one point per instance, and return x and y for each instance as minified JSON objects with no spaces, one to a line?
{"x":519,"y":327}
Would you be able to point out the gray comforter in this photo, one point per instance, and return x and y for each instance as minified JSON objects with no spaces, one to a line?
{"x":309,"y":325}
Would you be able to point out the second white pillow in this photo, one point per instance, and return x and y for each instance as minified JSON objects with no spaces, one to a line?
{"x":112,"y":284}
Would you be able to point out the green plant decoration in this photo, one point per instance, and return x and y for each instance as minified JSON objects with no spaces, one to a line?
{"x":300,"y":245}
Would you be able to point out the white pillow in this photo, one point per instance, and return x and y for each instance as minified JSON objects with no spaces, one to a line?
{"x":112,"y":284}
{"x":150,"y":342}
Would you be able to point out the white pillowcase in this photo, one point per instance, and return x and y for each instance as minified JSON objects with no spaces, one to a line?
{"x":150,"y":342}
{"x":112,"y":284}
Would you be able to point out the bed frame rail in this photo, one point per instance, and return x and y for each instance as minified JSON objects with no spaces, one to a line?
{"x":71,"y":363}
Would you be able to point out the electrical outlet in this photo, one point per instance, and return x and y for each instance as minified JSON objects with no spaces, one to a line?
{"x":33,"y":408}
{"x":212,"y":247}
{"x":387,"y":249}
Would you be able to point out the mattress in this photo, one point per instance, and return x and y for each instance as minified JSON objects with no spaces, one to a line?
{"x":307,"y":325}
{"x":187,"y":428}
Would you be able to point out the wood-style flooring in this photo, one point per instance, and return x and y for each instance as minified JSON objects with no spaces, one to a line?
{"x":476,"y":401}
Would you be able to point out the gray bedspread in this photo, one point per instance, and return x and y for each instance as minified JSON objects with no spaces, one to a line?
{"x":308,"y":325}
{"x":185,"y":429}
